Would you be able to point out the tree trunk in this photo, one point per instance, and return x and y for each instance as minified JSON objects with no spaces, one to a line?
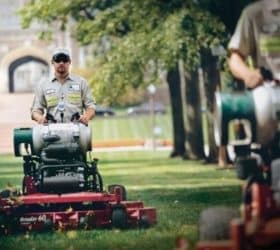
{"x":194,"y":142}
{"x":173,"y":81}
{"x":212,"y":81}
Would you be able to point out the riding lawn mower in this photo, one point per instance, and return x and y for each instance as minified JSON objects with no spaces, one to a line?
{"x":257,"y":162}
{"x":62,"y":188}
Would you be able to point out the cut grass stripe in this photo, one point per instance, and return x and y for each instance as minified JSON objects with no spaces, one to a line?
{"x":130,"y":127}
{"x":178,"y":189}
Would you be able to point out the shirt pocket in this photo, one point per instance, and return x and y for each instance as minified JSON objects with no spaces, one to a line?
{"x":74,"y":97}
{"x":51,"y":98}
{"x":270,"y":45}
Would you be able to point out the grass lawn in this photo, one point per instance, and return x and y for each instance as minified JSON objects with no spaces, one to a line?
{"x":130,"y":127}
{"x":178,"y":189}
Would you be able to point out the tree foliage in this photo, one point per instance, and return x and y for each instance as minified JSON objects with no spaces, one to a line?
{"x":139,"y":38}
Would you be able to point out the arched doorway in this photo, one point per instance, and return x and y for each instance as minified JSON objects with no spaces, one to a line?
{"x":26,"y":72}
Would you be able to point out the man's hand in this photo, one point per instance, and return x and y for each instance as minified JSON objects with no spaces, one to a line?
{"x":253,"y":78}
{"x":87,"y":116}
{"x":39,"y":118}
{"x":42,"y":120}
{"x":84,"y":119}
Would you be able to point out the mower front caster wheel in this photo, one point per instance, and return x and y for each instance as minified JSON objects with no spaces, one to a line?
{"x":144,"y":222}
{"x":214,"y":223}
{"x":119,"y":218}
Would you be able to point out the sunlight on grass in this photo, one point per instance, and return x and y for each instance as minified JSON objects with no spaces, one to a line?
{"x":178,"y":189}
{"x":135,"y":127}
{"x":176,"y":186}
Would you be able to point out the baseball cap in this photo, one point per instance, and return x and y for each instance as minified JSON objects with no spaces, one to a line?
{"x":61,"y":52}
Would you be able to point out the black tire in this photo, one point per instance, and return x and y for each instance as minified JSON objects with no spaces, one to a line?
{"x":119,"y":218}
{"x":246,"y":166}
{"x":87,"y":222}
{"x":6,"y":193}
{"x":48,"y":226}
{"x":7,"y":224}
{"x":123,"y":190}
{"x":144,"y":222}
{"x":214,"y":223}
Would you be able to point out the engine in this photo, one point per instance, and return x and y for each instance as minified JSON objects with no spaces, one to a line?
{"x":55,"y":158}
{"x":259,"y":111}
{"x":261,"y":107}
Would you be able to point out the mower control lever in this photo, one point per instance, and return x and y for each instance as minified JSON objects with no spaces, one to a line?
{"x":266,"y":74}
{"x":75,"y":116}
{"x":50,"y":117}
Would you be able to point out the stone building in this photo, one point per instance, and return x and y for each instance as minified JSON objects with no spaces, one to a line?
{"x":24,"y":59}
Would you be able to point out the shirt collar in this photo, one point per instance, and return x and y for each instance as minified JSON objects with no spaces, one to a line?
{"x":69,"y":77}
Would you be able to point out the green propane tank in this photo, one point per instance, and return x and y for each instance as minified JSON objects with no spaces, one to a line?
{"x":228,"y":107}
{"x":22,"y":136}
{"x":260,"y":107}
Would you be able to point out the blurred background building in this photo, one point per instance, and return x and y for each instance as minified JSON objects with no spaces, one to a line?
{"x":24,"y":59}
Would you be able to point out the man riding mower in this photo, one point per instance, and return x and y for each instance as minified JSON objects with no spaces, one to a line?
{"x":62,"y":188}
{"x":258,"y":162}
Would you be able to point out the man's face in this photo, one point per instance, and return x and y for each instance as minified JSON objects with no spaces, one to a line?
{"x":61,"y":64}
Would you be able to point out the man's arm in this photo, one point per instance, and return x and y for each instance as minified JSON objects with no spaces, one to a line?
{"x":87,"y":115}
{"x":238,"y":67}
{"x":242,"y":45}
{"x":38,"y":106}
{"x":88,"y":103}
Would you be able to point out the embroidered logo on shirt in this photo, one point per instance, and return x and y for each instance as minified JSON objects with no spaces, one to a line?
{"x":50,"y":91}
{"x":74,"y":87}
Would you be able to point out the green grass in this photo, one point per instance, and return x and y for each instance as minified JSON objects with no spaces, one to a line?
{"x":178,"y":189}
{"x":130,"y":127}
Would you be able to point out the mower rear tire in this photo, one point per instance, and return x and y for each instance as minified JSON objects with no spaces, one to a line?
{"x":6,"y":193}
{"x":112,"y":187}
{"x":246,"y":167}
{"x":214,"y":223}
{"x":119,"y":218}
{"x":8,"y":224}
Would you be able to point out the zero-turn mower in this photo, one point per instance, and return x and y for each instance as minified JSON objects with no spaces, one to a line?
{"x":61,"y":188}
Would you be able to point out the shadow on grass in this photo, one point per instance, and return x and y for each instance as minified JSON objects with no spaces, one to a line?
{"x":154,"y":161}
{"x":178,"y":212}
{"x":93,"y":240}
{"x":179,"y":190}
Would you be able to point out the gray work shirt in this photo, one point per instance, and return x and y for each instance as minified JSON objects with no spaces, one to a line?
{"x":63,"y":100}
{"x":258,"y":35}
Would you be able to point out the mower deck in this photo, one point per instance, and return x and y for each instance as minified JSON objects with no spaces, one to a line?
{"x":83,"y":210}
{"x":260,"y":227}
{"x":61,"y":188}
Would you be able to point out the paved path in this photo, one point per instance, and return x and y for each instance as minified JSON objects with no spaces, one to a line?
{"x":14,"y":113}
